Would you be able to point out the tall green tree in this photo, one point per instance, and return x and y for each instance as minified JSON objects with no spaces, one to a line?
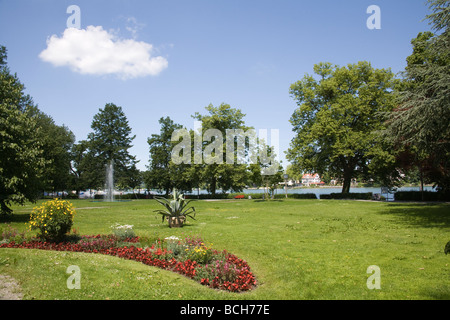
{"x":56,"y":142}
{"x":21,"y":154}
{"x":337,"y":118}
{"x":162,"y":174}
{"x":81,"y":165}
{"x":420,"y":124}
{"x":221,"y":174}
{"x":110,"y":140}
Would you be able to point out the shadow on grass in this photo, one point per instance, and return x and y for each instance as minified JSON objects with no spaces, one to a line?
{"x":15,"y":217}
{"x":439,"y":293}
{"x":271,"y":200}
{"x":428,"y":215}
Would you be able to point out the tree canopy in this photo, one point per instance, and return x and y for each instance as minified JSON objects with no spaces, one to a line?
{"x":21,"y":154}
{"x":420,"y":124}
{"x":162,"y":174}
{"x":221,"y":174}
{"x":110,"y":140}
{"x":337,"y":119}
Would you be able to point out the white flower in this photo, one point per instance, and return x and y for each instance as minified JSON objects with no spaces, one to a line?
{"x":118,"y":226}
{"x":172,"y":238}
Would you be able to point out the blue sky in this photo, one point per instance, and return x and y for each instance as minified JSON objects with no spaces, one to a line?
{"x":245,"y":53}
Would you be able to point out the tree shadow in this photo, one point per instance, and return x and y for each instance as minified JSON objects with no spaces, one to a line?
{"x":15,"y":217}
{"x":426,"y":215}
{"x":271,"y":200}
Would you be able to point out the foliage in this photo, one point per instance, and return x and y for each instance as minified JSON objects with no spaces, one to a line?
{"x":22,"y":161}
{"x":123,"y":232}
{"x":56,"y":142}
{"x":162,"y":174}
{"x":337,"y":120}
{"x":82,"y":162}
{"x":176,"y":208}
{"x":201,"y":253}
{"x":228,"y":273}
{"x":421,"y":196}
{"x":110,"y":140}
{"x":419,"y":125}
{"x":222,"y":175}
{"x":53,"y":219}
{"x":288,"y":244}
{"x":351,"y":195}
{"x":9,"y":233}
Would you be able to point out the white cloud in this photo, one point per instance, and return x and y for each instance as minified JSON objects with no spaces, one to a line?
{"x":98,"y":52}
{"x":133,"y":26}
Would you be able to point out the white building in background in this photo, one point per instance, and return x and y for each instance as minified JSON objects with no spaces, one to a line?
{"x":309,"y":179}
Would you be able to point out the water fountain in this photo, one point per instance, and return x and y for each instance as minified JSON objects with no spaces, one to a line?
{"x":109,"y":185}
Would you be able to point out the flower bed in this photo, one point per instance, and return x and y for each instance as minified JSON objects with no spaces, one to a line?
{"x":219,"y":270}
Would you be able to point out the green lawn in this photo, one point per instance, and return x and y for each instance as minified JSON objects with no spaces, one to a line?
{"x":298,"y":249}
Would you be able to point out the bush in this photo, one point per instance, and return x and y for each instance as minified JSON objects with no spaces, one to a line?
{"x":126,"y":196}
{"x":350,"y":195}
{"x":207,"y":196}
{"x":302,"y":195}
{"x":417,"y":196}
{"x":255,"y":196}
{"x":53,"y":219}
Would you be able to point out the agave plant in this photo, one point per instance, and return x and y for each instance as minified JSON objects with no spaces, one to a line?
{"x":175,"y":210}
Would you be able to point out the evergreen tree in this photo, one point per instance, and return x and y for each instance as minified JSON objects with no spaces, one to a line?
{"x":420,"y":125}
{"x":110,"y":141}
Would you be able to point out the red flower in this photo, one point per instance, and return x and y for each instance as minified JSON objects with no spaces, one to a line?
{"x":242,"y":278}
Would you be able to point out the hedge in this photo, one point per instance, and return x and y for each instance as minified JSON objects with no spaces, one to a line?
{"x":350,"y":195}
{"x":127,"y":196}
{"x":253,"y":196}
{"x":417,"y":196}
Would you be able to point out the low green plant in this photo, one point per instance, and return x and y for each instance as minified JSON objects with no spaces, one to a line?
{"x":200,"y":253}
{"x":175,"y":210}
{"x":175,"y":245}
{"x":123,"y":232}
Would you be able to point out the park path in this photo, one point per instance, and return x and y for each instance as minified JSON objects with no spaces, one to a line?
{"x":9,"y":288}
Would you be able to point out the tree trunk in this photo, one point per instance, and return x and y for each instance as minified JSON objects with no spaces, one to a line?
{"x":347,"y":182}
{"x":421,"y":182}
{"x":213,"y":186}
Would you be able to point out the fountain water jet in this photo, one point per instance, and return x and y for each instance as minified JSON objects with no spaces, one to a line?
{"x":109,"y":194}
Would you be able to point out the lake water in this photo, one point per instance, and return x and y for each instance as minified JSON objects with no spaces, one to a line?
{"x":324,"y":190}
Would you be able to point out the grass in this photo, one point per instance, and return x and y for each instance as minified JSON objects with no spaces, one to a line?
{"x":298,"y":249}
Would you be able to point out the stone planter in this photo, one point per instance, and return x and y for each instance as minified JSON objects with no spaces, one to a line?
{"x":176,"y":222}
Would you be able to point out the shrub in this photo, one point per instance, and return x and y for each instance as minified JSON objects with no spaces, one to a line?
{"x":53,"y":219}
{"x":302,"y":195}
{"x":353,"y":196}
{"x":417,"y":196}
